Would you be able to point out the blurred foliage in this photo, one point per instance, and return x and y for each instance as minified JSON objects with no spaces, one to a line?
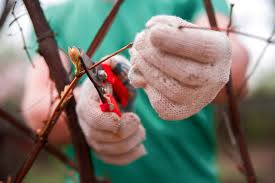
{"x":47,"y":170}
{"x":258,"y":118}
{"x":266,"y":86}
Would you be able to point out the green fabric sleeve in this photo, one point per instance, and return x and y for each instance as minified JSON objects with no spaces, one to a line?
{"x":191,"y":10}
{"x":220,"y":6}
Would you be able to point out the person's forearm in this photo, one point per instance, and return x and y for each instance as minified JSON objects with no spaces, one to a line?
{"x":38,"y":94}
{"x":239,"y":61}
{"x":37,"y":119}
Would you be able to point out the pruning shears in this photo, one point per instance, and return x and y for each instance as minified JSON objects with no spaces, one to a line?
{"x":109,"y":87}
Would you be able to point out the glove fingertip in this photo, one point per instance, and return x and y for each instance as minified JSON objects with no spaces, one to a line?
{"x":157,"y":20}
{"x":124,"y":159}
{"x":130,"y":116}
{"x":167,"y":20}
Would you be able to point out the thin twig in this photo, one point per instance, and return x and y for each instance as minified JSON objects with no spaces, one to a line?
{"x":29,"y":133}
{"x":232,"y":31}
{"x":22,"y":34}
{"x":233,"y":107}
{"x":17,"y":18}
{"x":229,"y":153}
{"x":7,"y":7}
{"x":258,"y":61}
{"x":230,"y":19}
{"x":111,"y":55}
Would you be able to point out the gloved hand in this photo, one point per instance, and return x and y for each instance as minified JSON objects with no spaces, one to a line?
{"x":181,"y":69}
{"x":115,"y":140}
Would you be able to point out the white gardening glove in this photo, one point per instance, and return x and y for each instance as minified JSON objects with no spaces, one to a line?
{"x":181,"y":69}
{"x":115,"y":140}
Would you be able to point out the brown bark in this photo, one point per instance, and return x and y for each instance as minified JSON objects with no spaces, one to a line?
{"x":49,"y":50}
{"x":234,"y":113}
{"x":104,"y":28}
{"x":28,"y":132}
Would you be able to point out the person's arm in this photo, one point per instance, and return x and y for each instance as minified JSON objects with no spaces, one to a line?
{"x":37,"y":99}
{"x":115,"y":139}
{"x":239,"y":59}
{"x":37,"y":87}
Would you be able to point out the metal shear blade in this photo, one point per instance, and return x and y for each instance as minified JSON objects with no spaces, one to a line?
{"x":94,"y":74}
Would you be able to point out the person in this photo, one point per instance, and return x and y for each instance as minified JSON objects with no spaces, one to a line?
{"x":178,"y":71}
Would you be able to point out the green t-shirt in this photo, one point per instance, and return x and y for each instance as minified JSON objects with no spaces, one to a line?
{"x":178,"y":151}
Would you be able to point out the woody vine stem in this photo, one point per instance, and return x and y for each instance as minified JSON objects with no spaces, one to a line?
{"x":48,"y":49}
{"x":235,"y":121}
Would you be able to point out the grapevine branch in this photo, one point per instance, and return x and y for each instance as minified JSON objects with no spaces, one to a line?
{"x":104,"y":28}
{"x":233,"y":108}
{"x":28,"y":132}
{"x":66,"y":97}
{"x":49,"y":50}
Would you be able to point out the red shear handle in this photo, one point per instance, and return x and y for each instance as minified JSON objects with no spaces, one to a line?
{"x":110,"y":105}
{"x":119,"y":90}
